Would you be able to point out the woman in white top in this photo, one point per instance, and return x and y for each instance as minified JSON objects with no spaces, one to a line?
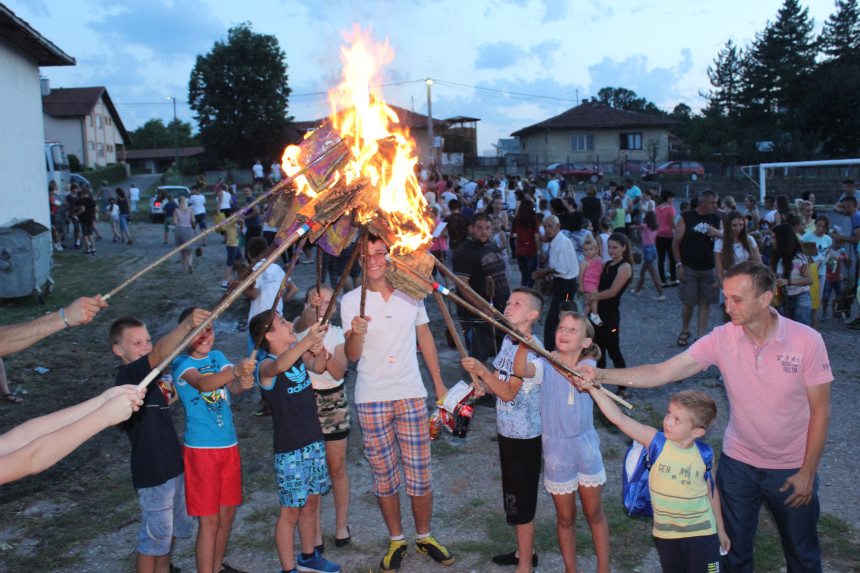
{"x":225,"y":199}
{"x":736,"y":246}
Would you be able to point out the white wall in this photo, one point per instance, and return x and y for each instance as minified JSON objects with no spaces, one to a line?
{"x":23,"y":187}
{"x":66,"y":130}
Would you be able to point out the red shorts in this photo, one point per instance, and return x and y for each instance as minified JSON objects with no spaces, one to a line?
{"x":213,"y":477}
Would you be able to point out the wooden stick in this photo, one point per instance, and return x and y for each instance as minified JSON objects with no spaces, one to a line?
{"x":279,"y":187}
{"x":365,"y":244}
{"x":287,"y":273}
{"x":343,"y":277}
{"x":228,"y":300}
{"x":455,"y":334}
{"x":504,"y":328}
{"x":463,"y":286}
{"x":319,"y":275}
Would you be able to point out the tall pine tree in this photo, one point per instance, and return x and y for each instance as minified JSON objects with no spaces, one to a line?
{"x":840,"y":38}
{"x":725,"y":77}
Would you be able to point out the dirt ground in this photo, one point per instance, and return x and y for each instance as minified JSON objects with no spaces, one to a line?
{"x":82,"y":514}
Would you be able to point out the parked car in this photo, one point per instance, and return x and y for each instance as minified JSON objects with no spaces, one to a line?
{"x":691,"y":170}
{"x":156,"y":204}
{"x":575,"y":171}
{"x":80,"y":181}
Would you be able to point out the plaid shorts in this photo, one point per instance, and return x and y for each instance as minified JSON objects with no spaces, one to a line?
{"x":406,"y":420}
{"x":301,"y":473}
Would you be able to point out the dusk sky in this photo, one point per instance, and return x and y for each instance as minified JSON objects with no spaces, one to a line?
{"x":510,"y":63}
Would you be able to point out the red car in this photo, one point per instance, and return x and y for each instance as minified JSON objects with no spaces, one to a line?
{"x":575,"y":171}
{"x":691,"y":170}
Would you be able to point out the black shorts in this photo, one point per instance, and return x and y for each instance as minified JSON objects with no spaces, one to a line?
{"x":87,"y":229}
{"x":692,"y":554}
{"x":521,"y":462}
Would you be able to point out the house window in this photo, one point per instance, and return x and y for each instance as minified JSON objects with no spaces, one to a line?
{"x":581,"y":142}
{"x":630,"y":141}
{"x":91,"y":146}
{"x":99,"y":121}
{"x":101,"y":150}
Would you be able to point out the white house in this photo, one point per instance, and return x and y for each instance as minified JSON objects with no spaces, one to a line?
{"x":24,"y":193}
{"x":86,"y":122}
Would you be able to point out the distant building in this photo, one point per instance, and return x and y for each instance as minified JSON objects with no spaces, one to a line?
{"x":593,"y":133}
{"x":507,"y":146}
{"x":87,"y":123}
{"x":22,"y":148}
{"x":160,"y":159}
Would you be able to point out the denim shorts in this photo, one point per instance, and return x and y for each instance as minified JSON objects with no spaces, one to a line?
{"x":649,"y":254}
{"x":164,"y":516}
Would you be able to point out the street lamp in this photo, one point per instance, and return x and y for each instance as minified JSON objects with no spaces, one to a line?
{"x":175,"y":137}
{"x":431,"y":153}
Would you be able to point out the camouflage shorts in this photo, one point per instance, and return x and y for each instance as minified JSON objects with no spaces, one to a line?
{"x":333,"y":412}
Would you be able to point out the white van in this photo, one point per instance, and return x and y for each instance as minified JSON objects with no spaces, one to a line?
{"x":57,"y":164}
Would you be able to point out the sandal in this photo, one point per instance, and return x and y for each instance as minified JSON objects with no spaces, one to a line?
{"x":683,"y":338}
{"x":12,"y":398}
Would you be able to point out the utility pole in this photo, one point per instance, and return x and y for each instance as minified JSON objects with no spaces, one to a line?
{"x":431,"y":152}
{"x":175,"y":137}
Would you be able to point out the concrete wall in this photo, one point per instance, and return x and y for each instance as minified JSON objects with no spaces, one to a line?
{"x":66,"y":130}
{"x":24,"y":187}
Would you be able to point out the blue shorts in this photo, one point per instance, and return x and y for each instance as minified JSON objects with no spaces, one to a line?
{"x":649,"y":254}
{"x":232,"y":255}
{"x":123,"y":223}
{"x":163,"y":516}
{"x":301,"y":473}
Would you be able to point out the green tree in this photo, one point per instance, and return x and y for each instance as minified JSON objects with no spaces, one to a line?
{"x":725,"y":78}
{"x":623,"y":98}
{"x":240,"y":95}
{"x":154,"y":134}
{"x":775,"y":79}
{"x":840,"y":38}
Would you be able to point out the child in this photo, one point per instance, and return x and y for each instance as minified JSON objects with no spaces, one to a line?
{"x":332,"y":410}
{"x":571,"y":446}
{"x":231,"y":241}
{"x":157,"y":471}
{"x":688,"y":523}
{"x":603,"y":238}
{"x":519,"y":428}
{"x":649,"y":253}
{"x":618,"y":216}
{"x":213,"y":483}
{"x":113,"y":212}
{"x":589,"y":276}
{"x":834,"y":261}
{"x":300,"y":463}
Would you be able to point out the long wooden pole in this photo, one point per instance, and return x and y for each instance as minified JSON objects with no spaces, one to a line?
{"x":228,"y":300}
{"x":349,"y":264}
{"x":365,"y":245}
{"x":280,"y":186}
{"x":280,"y":295}
{"x":455,"y":334}
{"x":504,"y":328}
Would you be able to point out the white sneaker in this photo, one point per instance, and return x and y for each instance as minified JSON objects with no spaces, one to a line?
{"x":595,"y":318}
{"x":224,"y":285}
{"x":661,"y":297}
{"x":58,"y":246}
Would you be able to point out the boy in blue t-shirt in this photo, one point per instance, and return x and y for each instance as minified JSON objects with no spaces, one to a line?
{"x":299,"y":447}
{"x":157,"y":471}
{"x":213,"y":482}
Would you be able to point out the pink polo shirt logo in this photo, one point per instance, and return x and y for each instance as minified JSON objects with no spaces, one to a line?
{"x":790,"y":362}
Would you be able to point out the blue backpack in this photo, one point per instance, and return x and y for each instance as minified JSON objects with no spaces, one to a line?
{"x":637,"y":463}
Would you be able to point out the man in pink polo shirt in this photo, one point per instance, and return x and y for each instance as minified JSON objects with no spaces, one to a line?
{"x":777,"y":377}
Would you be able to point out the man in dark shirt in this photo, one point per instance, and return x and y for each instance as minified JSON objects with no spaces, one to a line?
{"x":458,"y":225}
{"x":693,"y":247}
{"x":480,"y":262}
{"x":85,"y":208}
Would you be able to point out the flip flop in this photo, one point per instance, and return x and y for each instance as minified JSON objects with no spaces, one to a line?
{"x":12,"y":398}
{"x":683,"y":338}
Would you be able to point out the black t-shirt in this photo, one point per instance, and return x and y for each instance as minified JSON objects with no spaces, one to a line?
{"x":458,"y":229}
{"x":123,"y":206}
{"x":608,"y":308}
{"x":169,"y":208}
{"x":483,"y":264}
{"x":592,"y":210}
{"x":294,"y":409}
{"x":697,"y":248}
{"x":89,"y":213}
{"x":156,"y":455}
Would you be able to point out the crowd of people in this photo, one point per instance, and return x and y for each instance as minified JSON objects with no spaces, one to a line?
{"x":579,"y":257}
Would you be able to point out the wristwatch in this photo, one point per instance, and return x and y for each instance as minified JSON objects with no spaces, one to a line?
{"x":678,"y":265}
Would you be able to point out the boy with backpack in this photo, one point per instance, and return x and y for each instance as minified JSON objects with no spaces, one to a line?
{"x":688,"y":524}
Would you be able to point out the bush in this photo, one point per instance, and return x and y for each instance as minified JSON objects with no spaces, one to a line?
{"x":113,"y":173}
{"x":74,"y":163}
{"x":188,"y":166}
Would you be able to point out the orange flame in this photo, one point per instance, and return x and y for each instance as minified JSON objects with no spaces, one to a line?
{"x":363,"y":120}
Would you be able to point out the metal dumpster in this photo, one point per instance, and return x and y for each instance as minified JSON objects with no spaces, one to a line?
{"x":26,"y":260}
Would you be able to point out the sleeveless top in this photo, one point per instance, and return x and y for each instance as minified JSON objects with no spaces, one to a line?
{"x":294,"y":408}
{"x":697,"y":248}
{"x":183,"y":219}
{"x":608,"y":308}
